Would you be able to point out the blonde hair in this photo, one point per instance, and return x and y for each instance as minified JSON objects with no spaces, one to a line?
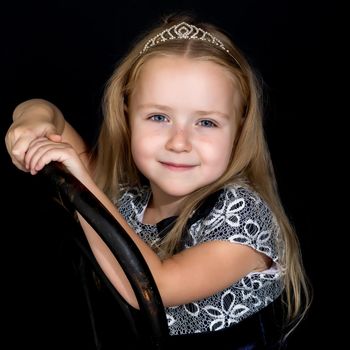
{"x":250,"y":159}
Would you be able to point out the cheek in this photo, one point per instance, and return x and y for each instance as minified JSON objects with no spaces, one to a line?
{"x":142,"y":149}
{"x":221,"y":162}
{"x":136,"y":147}
{"x":218,"y":151}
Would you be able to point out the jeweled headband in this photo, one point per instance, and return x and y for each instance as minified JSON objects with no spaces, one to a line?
{"x":185,"y":31}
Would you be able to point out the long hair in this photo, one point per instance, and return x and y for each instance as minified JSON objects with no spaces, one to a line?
{"x":250,"y":161}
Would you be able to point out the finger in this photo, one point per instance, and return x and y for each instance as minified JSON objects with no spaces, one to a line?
{"x":51,"y":152}
{"x":36,"y":148}
{"x":19,"y":165}
{"x":55,"y":137}
{"x":19,"y":149}
{"x":40,"y":151}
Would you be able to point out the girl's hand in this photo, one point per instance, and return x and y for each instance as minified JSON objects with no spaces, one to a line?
{"x":22,"y":133}
{"x":44,"y":150}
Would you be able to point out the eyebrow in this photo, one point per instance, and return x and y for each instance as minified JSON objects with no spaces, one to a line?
{"x":154,"y":106}
{"x":168,"y":109}
{"x":205,"y":113}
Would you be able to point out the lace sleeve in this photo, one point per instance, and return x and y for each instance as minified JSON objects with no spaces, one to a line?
{"x":240,"y":216}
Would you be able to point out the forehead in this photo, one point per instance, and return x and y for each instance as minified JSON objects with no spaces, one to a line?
{"x":192,"y":82}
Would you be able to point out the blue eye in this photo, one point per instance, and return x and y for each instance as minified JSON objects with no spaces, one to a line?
{"x":207,"y":123}
{"x":158,"y":118}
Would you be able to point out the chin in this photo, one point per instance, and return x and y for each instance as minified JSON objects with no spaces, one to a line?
{"x":178,"y":191}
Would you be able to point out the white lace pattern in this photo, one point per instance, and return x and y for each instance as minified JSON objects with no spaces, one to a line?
{"x":239,"y":216}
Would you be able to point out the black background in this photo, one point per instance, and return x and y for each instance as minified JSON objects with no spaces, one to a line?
{"x":64,"y":51}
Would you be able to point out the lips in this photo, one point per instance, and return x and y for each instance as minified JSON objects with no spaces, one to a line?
{"x":177,"y":166}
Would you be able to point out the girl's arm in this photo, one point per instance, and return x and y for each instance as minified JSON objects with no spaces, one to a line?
{"x":190,"y":275}
{"x":37,"y":118}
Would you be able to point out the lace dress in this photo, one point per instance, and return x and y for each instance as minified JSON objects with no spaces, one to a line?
{"x":239,"y":216}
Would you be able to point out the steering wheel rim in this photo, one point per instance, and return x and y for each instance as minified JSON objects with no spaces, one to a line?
{"x":121,"y":245}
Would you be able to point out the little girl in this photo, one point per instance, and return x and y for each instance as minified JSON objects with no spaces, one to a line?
{"x":182,"y":138}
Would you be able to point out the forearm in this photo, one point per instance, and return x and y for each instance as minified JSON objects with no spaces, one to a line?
{"x":48,"y":112}
{"x":40,"y":110}
{"x":107,"y":261}
{"x":37,"y":118}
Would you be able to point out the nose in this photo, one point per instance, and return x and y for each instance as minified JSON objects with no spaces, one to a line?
{"x":179,"y":140}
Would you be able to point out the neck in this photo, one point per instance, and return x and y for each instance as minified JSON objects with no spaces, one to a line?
{"x":160,"y":207}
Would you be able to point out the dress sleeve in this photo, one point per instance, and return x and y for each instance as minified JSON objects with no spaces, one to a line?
{"x":240,"y":216}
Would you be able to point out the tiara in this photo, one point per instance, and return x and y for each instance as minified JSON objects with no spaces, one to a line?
{"x":185,"y":31}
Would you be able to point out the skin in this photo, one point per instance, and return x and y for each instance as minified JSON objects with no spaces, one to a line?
{"x":183,"y":131}
{"x":183,"y":125}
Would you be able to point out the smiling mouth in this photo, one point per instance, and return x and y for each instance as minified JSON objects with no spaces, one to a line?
{"x":177,"y":167}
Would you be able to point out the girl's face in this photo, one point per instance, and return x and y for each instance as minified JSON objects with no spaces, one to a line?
{"x":183,"y":117}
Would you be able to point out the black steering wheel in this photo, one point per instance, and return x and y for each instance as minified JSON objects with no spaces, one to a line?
{"x":71,"y":190}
